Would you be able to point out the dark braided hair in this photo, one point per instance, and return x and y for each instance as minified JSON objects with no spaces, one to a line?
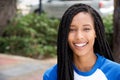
{"x":65,"y":54}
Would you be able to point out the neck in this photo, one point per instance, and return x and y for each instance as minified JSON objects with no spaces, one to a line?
{"x":85,"y":63}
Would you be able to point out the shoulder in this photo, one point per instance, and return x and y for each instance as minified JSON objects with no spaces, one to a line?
{"x":112,"y":64}
{"x":106,"y":63}
{"x":111,"y":69}
{"x":51,"y":73}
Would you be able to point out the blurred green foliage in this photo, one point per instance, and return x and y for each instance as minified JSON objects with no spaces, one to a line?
{"x":108,"y":22}
{"x":32,"y":35}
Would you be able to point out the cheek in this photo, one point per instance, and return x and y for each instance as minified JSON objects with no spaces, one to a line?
{"x":92,"y":38}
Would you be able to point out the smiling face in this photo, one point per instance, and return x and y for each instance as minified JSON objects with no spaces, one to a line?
{"x":82,"y":35}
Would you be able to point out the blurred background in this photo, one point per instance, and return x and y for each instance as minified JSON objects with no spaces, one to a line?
{"x":56,"y":8}
{"x":28,"y":29}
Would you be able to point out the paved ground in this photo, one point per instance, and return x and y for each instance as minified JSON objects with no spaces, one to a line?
{"x":22,"y":68}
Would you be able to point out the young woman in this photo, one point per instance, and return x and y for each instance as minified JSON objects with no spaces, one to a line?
{"x":82,"y":50}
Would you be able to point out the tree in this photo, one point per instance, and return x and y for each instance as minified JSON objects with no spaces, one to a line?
{"x":7,"y":12}
{"x":116,"y":34}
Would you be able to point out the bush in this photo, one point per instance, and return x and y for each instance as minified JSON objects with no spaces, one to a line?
{"x":31,"y":35}
{"x":108,"y":22}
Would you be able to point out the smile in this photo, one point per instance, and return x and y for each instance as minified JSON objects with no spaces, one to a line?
{"x":81,"y":44}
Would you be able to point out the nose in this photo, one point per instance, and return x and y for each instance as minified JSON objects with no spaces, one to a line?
{"x":79,"y":35}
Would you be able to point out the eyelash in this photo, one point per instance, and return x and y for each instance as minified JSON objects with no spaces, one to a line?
{"x":72,"y":29}
{"x":86,"y":29}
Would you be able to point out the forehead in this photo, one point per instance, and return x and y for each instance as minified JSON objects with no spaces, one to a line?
{"x":83,"y":17}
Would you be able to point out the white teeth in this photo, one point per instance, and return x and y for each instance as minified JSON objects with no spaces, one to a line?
{"x":81,"y":45}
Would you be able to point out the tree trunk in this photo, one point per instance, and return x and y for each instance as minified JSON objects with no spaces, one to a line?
{"x":7,"y":12}
{"x":116,"y":35}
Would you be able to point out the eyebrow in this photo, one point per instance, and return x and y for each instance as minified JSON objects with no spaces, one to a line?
{"x":83,"y":25}
{"x":87,"y":25}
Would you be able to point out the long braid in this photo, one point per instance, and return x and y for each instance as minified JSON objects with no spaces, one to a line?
{"x":65,"y":55}
{"x":63,"y":62}
{"x":104,"y":48}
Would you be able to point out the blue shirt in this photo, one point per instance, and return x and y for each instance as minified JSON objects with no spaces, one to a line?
{"x":103,"y":69}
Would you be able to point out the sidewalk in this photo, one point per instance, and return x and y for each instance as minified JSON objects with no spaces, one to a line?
{"x":22,"y":68}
